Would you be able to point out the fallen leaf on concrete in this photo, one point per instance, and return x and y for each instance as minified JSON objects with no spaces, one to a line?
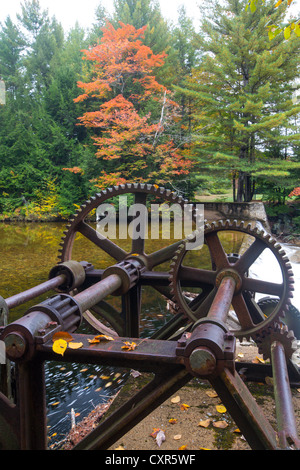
{"x":177,"y":437}
{"x":184,"y":406}
{"x":211,"y":394}
{"x":205,"y":423}
{"x":175,"y":399}
{"x":221,"y":409}
{"x":220,"y":424}
{"x":173,"y":421}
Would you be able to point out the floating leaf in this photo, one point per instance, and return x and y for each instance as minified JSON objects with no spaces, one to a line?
{"x":129,"y":346}
{"x":62,"y":335}
{"x":108,"y":384}
{"x":104,"y":377}
{"x":56,"y":403}
{"x":75,"y":345}
{"x":205,"y":423}
{"x":175,"y":399}
{"x":60,"y":346}
{"x":221,"y":409}
{"x":220,"y":424}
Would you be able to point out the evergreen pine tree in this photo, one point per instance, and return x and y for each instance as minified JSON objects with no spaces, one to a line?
{"x":242,"y":94}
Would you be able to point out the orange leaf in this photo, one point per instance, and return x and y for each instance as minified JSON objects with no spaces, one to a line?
{"x":184,"y":406}
{"x":62,"y":335}
{"x":173,"y":421}
{"x":129,"y":346}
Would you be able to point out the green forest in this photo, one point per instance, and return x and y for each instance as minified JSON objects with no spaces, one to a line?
{"x":135,"y":98}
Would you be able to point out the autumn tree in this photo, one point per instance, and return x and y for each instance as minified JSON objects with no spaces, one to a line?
{"x":131,"y":112}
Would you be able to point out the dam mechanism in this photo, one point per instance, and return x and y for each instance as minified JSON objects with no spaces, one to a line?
{"x":213,"y":306}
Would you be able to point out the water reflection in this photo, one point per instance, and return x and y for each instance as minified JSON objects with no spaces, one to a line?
{"x":28,"y":252}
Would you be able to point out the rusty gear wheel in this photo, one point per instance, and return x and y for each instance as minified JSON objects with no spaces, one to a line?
{"x":249,"y":318}
{"x":277,"y":332}
{"x":79,"y":225}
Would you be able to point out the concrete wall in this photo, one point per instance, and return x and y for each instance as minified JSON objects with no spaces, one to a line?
{"x":247,"y":211}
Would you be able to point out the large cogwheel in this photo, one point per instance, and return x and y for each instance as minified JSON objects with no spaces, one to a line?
{"x":81,"y":241}
{"x":194,"y":286}
{"x":79,"y":222}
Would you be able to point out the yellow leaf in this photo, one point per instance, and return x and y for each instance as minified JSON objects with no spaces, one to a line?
{"x":104,"y":377}
{"x":106,"y":337}
{"x":93,"y":341}
{"x":108,"y":384}
{"x":221,"y":409}
{"x":75,"y":345}
{"x":182,"y":448}
{"x":205,"y":423}
{"x":220,"y":424}
{"x":55,"y":404}
{"x":203,"y":448}
{"x":175,"y":399}
{"x":119,"y":448}
{"x":60,"y":346}
{"x":173,"y":421}
{"x":237,"y":431}
{"x":184,"y":406}
{"x":62,"y":335}
{"x":129,"y":346}
{"x":278,"y":3}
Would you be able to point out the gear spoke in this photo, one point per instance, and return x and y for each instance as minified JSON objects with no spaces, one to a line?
{"x":196,"y":276}
{"x":263,"y":287}
{"x":250,"y":255}
{"x":138,"y":244}
{"x":104,"y":243}
{"x":216,"y":249}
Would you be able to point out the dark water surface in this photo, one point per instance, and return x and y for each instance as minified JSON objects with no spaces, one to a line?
{"x":28,"y":252}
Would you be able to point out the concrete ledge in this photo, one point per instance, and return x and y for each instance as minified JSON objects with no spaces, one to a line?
{"x":252,"y":211}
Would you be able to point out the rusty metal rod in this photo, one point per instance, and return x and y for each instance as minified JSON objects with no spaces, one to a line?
{"x":287,"y":427}
{"x":222,"y":301}
{"x":29,"y":294}
{"x":98,"y":291}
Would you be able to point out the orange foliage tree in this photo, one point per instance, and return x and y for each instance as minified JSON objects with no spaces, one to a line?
{"x":135,"y":111}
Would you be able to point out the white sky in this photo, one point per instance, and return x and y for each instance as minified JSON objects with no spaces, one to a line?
{"x":67,"y":12}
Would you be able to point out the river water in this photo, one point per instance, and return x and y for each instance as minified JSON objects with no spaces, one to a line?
{"x":28,"y":252}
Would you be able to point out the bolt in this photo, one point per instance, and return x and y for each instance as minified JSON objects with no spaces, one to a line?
{"x":202,"y":361}
{"x":15,"y":345}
